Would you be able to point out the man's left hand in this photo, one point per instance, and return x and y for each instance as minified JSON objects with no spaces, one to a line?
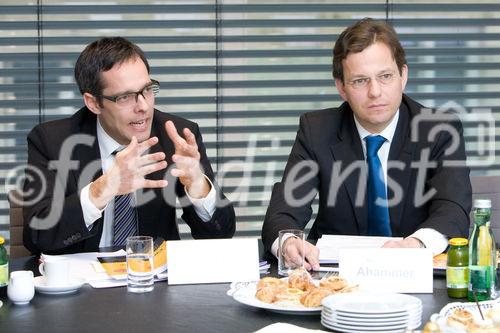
{"x":409,"y":242}
{"x":187,"y":160}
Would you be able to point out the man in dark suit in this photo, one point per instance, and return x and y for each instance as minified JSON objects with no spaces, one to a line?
{"x":117,"y":145}
{"x":426,"y":192}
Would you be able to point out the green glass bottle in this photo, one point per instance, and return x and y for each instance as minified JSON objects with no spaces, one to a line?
{"x":4,"y":267}
{"x":457,"y":268}
{"x":482,"y":254}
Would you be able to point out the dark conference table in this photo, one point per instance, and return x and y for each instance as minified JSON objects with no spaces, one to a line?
{"x":181,"y":308}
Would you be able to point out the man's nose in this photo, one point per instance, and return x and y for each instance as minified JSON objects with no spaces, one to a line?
{"x":140,"y":102}
{"x":374,"y":88}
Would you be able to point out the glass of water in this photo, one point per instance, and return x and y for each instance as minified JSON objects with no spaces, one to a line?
{"x":140,"y":276}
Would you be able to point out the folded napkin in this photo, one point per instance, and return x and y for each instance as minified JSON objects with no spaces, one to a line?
{"x":284,"y":327}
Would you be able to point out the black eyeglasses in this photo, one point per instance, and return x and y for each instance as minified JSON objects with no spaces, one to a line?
{"x":131,"y":98}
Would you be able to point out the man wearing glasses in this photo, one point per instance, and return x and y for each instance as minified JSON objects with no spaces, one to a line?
{"x":117,"y":166}
{"x":382,"y":164}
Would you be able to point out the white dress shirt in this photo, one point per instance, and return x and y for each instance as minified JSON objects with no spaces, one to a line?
{"x":432,"y":239}
{"x":204,"y":207}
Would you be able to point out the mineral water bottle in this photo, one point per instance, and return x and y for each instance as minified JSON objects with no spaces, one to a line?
{"x":482,"y":254}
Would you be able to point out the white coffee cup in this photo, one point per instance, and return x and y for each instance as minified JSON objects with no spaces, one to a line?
{"x":55,"y":271}
{"x":21,"y":288}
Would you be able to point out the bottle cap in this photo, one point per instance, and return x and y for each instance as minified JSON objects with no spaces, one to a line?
{"x":482,"y":203}
{"x":2,"y":240}
{"x":458,"y":241}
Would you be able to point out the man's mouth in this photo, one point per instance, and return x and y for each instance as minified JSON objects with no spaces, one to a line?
{"x":138,"y":123}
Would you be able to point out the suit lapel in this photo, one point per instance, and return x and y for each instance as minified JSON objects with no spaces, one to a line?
{"x":401,"y":151}
{"x":84,"y":153}
{"x":348,"y":150}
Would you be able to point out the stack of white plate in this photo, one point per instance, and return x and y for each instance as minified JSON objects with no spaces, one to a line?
{"x":371,"y":312}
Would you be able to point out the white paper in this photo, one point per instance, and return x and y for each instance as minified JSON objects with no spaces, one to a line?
{"x":400,"y":270}
{"x":329,"y":245}
{"x":86,"y":266}
{"x":213,"y":260}
{"x":83,"y":265}
{"x":284,"y":327}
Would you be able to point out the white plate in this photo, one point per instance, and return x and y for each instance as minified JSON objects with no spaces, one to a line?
{"x":376,"y":304}
{"x":244,"y":293}
{"x":363,"y":326}
{"x":357,"y":329}
{"x":364,"y":323}
{"x":71,"y":287}
{"x":441,"y":318}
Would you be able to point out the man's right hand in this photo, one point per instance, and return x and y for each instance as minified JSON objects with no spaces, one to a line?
{"x":127,"y":173}
{"x":292,"y":249}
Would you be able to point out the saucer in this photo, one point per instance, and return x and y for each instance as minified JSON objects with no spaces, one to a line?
{"x":72,"y":286}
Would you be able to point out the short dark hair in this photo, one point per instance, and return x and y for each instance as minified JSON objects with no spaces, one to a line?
{"x":101,"y":56}
{"x":361,"y":35}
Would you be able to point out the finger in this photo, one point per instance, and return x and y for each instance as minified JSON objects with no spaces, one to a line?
{"x":173,"y":134}
{"x":151,"y":158}
{"x":177,"y":173}
{"x":183,"y":148}
{"x":145,"y":145}
{"x":130,"y":147}
{"x":148,"y":183}
{"x":294,"y":251}
{"x":150,"y":168}
{"x":184,"y":162}
{"x":389,"y":244}
{"x":190,"y":138}
{"x":308,"y":266}
{"x":312,"y":256}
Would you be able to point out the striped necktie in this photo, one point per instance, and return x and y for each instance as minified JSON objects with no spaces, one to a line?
{"x":125,"y":218}
{"x":378,"y":213}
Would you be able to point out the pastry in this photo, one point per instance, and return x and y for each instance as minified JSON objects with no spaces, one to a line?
{"x":460,"y":318}
{"x":314,"y":297}
{"x":290,"y":295}
{"x":271,"y":281}
{"x":266,"y":294}
{"x":334,"y":283}
{"x":300,"y":279}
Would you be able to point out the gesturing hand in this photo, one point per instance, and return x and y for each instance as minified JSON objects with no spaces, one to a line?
{"x":187,"y":160}
{"x":128,"y":172}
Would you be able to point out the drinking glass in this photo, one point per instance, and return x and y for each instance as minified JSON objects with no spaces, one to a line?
{"x":286,"y":263}
{"x":140,"y":276}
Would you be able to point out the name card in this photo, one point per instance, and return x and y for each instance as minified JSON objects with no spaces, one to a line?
{"x":212,"y":261}
{"x":388,"y":269}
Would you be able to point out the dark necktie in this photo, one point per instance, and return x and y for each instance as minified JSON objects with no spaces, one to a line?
{"x":125,"y":219}
{"x":378,"y":213}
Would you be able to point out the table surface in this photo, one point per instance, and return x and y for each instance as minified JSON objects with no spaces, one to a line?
{"x":180,"y":308}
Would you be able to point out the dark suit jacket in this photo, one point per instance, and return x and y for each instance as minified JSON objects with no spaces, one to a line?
{"x":330,"y":136}
{"x":68,"y":232}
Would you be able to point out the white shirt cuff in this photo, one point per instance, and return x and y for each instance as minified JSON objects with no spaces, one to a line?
{"x":275,"y":246}
{"x":90,"y":212}
{"x":432,"y":239}
{"x":204,"y":207}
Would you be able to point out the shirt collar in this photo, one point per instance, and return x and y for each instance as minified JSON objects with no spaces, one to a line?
{"x":107,"y":145}
{"x":387,"y":132}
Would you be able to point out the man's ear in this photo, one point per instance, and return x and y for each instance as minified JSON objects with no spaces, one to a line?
{"x":340,"y":87}
{"x":92,"y":103}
